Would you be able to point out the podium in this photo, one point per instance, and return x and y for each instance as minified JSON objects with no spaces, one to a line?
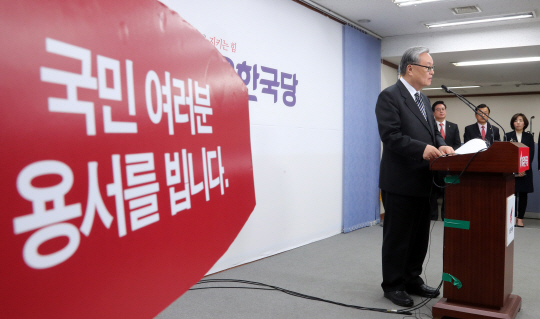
{"x":478,"y":254}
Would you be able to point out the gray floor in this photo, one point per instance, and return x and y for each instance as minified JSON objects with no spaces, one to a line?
{"x":344,"y":268}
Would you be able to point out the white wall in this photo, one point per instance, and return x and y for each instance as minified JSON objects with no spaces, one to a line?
{"x":297,"y":151}
{"x":388,"y":76}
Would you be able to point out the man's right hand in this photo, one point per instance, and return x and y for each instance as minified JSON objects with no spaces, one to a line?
{"x":431,"y":152}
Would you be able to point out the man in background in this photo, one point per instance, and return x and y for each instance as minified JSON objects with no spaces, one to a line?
{"x":410,"y":139}
{"x":481,"y":129}
{"x":450,"y":133}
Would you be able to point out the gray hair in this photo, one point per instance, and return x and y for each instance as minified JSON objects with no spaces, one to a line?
{"x":411,"y":55}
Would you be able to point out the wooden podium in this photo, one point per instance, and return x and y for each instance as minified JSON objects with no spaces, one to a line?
{"x":476,"y":254}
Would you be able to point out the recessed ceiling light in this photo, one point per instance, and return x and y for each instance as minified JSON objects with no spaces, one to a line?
{"x":466,"y":10}
{"x":404,"y":3}
{"x":498,"y":61}
{"x":454,"y":87}
{"x":482,"y":20}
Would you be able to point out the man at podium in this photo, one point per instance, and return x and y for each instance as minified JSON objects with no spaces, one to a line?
{"x":410,"y":139}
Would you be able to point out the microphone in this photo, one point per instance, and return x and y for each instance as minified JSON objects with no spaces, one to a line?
{"x":473,"y":108}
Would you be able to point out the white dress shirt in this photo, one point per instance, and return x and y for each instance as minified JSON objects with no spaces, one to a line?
{"x":409,"y":87}
{"x":480,"y":128}
{"x":443,"y":125}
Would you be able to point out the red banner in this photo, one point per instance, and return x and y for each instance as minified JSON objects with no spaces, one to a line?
{"x":523,"y":159}
{"x":127,"y":166}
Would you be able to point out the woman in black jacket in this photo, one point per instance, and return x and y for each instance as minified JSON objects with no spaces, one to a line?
{"x":524,"y":181}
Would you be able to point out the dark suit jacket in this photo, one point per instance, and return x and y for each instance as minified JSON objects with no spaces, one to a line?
{"x":524,"y":184}
{"x":452,"y":135}
{"x":405,"y":133}
{"x":472,"y":131}
{"x":452,"y":139}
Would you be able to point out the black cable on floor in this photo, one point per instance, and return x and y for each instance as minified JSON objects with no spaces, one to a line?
{"x":406,"y":311}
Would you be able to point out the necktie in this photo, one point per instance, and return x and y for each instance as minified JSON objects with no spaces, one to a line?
{"x":442,"y":131}
{"x":483,"y":133}
{"x":420,"y":104}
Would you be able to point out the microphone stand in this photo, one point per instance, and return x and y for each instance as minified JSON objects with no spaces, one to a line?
{"x":473,"y":108}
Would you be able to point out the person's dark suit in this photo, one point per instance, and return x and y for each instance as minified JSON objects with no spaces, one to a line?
{"x":452,"y":135}
{"x":405,"y":181}
{"x":472,"y":131}
{"x":452,"y":139}
{"x":523,"y":184}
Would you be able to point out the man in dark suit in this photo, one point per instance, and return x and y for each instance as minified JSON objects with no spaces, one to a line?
{"x":410,"y":139}
{"x":450,"y":134}
{"x":481,"y":129}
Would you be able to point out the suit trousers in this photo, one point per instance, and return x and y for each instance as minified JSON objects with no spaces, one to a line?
{"x":405,"y":240}
{"x":521,"y":204}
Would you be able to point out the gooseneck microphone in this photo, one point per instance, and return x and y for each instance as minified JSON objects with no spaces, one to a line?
{"x":473,"y":108}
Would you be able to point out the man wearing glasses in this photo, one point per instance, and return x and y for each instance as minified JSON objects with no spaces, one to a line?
{"x":410,"y":139}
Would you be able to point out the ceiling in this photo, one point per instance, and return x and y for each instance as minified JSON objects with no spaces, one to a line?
{"x":403,"y":27}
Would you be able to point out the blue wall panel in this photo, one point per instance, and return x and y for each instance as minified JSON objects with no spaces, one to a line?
{"x":361,"y":142}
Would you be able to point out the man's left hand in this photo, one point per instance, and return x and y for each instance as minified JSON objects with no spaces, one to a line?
{"x":446,"y":150}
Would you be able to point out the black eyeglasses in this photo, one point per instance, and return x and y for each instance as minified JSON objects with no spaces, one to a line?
{"x":429,"y":68}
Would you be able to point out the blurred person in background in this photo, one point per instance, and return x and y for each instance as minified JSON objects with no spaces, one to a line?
{"x":524,"y":180}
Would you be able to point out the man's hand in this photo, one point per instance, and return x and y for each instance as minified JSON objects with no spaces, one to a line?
{"x":431,"y":152}
{"x":446,"y":150}
{"x":521,"y":174}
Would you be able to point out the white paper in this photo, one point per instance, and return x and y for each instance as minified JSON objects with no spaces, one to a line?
{"x":473,"y":146}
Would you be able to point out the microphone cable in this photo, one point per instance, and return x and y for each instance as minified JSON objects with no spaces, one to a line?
{"x":463,"y":171}
{"x":424,"y":302}
{"x":444,"y":232}
{"x":262,"y":286}
{"x":404,"y":311}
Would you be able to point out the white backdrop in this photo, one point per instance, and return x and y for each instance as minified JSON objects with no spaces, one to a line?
{"x":297,"y":151}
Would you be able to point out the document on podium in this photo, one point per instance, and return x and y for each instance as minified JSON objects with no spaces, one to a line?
{"x":473,"y":146}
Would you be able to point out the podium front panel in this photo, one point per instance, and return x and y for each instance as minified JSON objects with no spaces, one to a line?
{"x":478,"y":256}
